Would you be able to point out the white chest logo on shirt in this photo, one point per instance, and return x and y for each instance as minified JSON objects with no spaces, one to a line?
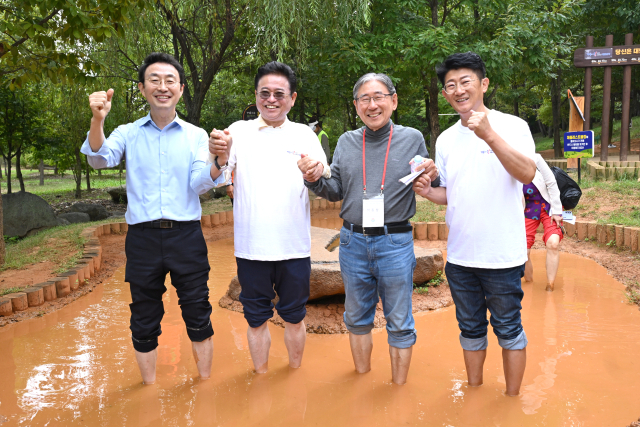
{"x":486,"y":151}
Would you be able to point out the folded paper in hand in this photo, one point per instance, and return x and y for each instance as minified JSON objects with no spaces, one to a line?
{"x":417,"y":160}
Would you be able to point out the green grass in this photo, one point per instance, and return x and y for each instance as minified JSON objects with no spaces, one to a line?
{"x":424,"y":288}
{"x":62,"y":246}
{"x":633,"y":296}
{"x":624,"y":194}
{"x":544,"y":143}
{"x":7,"y":291}
{"x":216,"y":205}
{"x":429,"y":212}
{"x":57,"y":186}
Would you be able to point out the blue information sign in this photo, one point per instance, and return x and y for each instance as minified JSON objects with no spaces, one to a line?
{"x":578,"y":144}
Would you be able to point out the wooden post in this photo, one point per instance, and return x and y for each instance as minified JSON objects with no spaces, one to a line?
{"x":575,"y":124}
{"x":626,"y":101}
{"x":606,"y":107}
{"x":587,"y":93}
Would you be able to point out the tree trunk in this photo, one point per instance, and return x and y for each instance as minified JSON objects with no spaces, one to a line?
{"x":434,"y":119}
{"x":41,"y":171}
{"x":88,"y":178}
{"x":19,"y":169}
{"x":555,"y":107}
{"x":612,"y":112}
{"x":8,"y":175}
{"x":77,"y":173}
{"x":541,"y":128}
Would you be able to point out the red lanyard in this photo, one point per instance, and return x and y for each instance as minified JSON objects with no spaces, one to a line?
{"x":364,"y":164}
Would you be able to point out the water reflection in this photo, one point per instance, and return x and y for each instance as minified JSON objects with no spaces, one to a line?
{"x":76,"y":367}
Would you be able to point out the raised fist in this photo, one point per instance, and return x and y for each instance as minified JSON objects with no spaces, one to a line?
{"x":100,"y":103}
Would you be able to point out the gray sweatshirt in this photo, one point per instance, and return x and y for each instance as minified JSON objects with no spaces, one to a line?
{"x":346,"y":172}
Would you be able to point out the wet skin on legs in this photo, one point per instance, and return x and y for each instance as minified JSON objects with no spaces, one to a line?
{"x":259,"y":343}
{"x":361,"y":348}
{"x":513,"y":363}
{"x":259,"y":339}
{"x":400,"y":362}
{"x":147,"y":365}
{"x":295,"y":336}
{"x":203,"y":356}
{"x":553,"y":260}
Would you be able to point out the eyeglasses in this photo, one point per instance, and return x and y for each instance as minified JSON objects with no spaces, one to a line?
{"x":464,"y":84}
{"x":156,"y":82}
{"x":265,"y":94}
{"x":378,"y":98}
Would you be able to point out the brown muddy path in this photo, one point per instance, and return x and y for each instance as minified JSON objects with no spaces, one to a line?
{"x":75,"y":366}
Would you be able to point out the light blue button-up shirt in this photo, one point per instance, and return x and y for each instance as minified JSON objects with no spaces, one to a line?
{"x":166,"y":169}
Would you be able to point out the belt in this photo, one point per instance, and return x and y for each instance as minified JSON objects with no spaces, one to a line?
{"x":163,"y":223}
{"x":392,"y":227}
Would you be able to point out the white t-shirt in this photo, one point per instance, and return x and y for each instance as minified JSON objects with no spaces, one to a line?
{"x":484,"y":203}
{"x":271,"y":213}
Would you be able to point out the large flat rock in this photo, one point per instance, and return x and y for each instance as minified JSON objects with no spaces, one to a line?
{"x":326,"y":279}
{"x":25,"y":214}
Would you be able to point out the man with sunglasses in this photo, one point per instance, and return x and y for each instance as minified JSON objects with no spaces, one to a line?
{"x":483,"y":161}
{"x":376,"y":240}
{"x":272,"y":234}
{"x":166,"y":171}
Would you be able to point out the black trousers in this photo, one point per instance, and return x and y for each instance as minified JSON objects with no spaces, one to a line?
{"x":151,"y":254}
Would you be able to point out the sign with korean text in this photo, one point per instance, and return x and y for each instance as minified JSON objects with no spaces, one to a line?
{"x":578,"y":144}
{"x":606,"y":56}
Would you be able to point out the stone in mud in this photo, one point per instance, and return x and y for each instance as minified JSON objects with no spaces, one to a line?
{"x":326,"y":279}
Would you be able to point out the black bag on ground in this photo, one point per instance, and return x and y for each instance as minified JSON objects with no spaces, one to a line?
{"x":569,"y":189}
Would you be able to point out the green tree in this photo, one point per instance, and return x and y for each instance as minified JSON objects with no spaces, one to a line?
{"x":43,"y":39}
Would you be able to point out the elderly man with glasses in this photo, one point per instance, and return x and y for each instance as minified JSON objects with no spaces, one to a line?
{"x":376,"y":240}
{"x":166,"y":171}
{"x":272,"y":230}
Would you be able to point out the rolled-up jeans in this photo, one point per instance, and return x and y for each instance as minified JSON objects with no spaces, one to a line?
{"x":373,"y":268}
{"x":474,"y":290}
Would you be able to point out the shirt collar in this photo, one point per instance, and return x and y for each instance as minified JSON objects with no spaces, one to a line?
{"x":148,"y":119}
{"x":262,"y":124}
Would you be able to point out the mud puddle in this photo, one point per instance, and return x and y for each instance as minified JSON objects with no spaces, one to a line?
{"x":76,"y":366}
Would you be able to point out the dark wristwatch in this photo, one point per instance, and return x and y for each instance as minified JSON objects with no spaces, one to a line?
{"x":220,"y":168}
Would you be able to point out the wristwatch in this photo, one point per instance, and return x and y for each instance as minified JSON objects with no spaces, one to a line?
{"x":220,"y":168}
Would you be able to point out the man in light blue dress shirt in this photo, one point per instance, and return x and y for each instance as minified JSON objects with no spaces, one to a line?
{"x":167,"y":169}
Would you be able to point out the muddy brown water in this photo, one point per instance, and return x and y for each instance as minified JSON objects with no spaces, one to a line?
{"x":76,"y":366}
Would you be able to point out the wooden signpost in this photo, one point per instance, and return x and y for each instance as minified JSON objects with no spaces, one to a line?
{"x":608,"y":56}
{"x":576,"y":124}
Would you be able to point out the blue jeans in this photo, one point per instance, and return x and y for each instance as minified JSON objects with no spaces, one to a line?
{"x":381,"y":266}
{"x":474,"y":290}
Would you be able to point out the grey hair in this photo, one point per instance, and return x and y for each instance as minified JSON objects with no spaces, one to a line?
{"x":382,"y":78}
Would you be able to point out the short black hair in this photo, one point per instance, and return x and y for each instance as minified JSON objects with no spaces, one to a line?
{"x":279,"y":68}
{"x":456,"y":61}
{"x":165,"y":58}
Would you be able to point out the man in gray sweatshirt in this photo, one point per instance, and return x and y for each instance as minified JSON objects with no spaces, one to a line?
{"x":376,"y":241}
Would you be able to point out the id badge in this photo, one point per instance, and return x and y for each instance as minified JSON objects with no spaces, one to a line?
{"x":373,"y":211}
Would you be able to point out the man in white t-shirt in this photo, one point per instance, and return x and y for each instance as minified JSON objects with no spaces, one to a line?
{"x":483,"y":161}
{"x":272,"y":226}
